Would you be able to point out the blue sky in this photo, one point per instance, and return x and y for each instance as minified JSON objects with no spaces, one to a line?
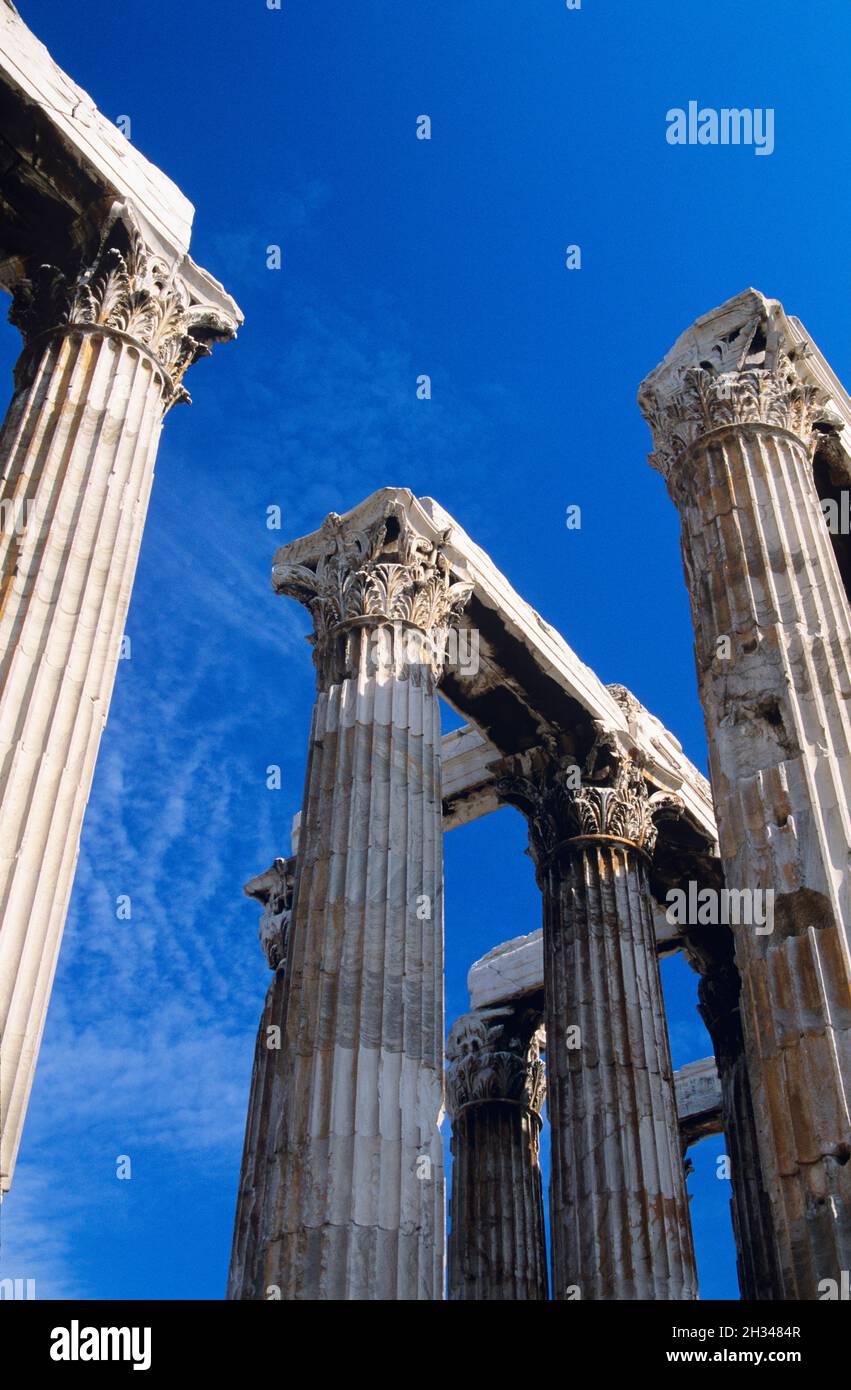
{"x":400,"y":257}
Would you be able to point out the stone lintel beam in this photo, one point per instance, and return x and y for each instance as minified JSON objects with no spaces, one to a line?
{"x":468,"y":764}
{"x":63,"y":165}
{"x":698,"y":1094}
{"x":516,"y":968}
{"x":528,"y":686}
{"x":510,"y":971}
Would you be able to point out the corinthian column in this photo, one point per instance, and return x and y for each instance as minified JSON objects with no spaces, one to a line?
{"x":619,"y":1221}
{"x":495,"y":1092}
{"x":756,"y":1255}
{"x":733,"y":424}
{"x":354,"y":1206}
{"x":105,"y":350}
{"x":274,"y":889}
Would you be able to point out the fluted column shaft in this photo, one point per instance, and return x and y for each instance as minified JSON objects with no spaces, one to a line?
{"x":263,"y":1104}
{"x":77,"y":451}
{"x":274,"y":889}
{"x":619,"y":1219}
{"x":495,"y":1090}
{"x":756,"y":1253}
{"x":620,"y":1225}
{"x":354,"y":1204}
{"x":358,"y":1214}
{"x":761,"y":574}
{"x":79,"y":442}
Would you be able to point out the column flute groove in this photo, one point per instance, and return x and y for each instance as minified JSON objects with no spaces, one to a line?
{"x":106,"y":346}
{"x":735,"y":424}
{"x":356,"y":1207}
{"x":619,"y":1221}
{"x":495,"y":1093}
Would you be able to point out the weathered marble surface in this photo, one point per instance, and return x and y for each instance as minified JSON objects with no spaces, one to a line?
{"x":353,"y":1207}
{"x":619,"y":1220}
{"x":719,"y":994}
{"x":274,"y":890}
{"x":93,"y":248}
{"x":737,"y":410}
{"x":495,"y":1085}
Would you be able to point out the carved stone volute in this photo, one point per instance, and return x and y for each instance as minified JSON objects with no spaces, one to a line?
{"x":386,"y":579}
{"x":493,"y":1055}
{"x":126,"y":290}
{"x":609,"y":802}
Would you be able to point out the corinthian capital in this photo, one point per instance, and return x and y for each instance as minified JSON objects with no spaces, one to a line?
{"x":608,"y":800}
{"x":125,"y":289}
{"x":384,"y":576}
{"x":274,"y":889}
{"x":735,"y":366}
{"x":495,"y":1055}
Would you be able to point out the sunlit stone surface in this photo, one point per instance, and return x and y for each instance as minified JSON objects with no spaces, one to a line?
{"x":93,"y":248}
{"x":748,"y":424}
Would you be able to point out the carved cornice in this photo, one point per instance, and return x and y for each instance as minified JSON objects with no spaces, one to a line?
{"x":128,"y":291}
{"x":387,"y":575}
{"x":493,"y":1055}
{"x":704,"y":399}
{"x":609,"y":803}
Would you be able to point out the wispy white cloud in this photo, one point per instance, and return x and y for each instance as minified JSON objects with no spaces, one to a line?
{"x":34,"y":1244}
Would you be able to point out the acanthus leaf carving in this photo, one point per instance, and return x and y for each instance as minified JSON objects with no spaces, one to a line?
{"x":494,"y":1054}
{"x":610,"y":801}
{"x":274,"y":889}
{"x":127,"y":289}
{"x":704,"y":399}
{"x":387,"y":573}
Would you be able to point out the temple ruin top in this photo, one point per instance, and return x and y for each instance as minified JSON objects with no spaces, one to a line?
{"x":746,"y":360}
{"x":66,"y":168}
{"x":529,"y":689}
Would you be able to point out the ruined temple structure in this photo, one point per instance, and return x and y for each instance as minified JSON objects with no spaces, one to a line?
{"x":342,"y":1193}
{"x":112,"y":311}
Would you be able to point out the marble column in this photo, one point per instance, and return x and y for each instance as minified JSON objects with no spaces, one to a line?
{"x":354,"y":1205}
{"x":756,"y":1253}
{"x":105,"y":350}
{"x":495,"y":1093}
{"x":733,"y":424}
{"x":619,"y":1219}
{"x":274,"y":889}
